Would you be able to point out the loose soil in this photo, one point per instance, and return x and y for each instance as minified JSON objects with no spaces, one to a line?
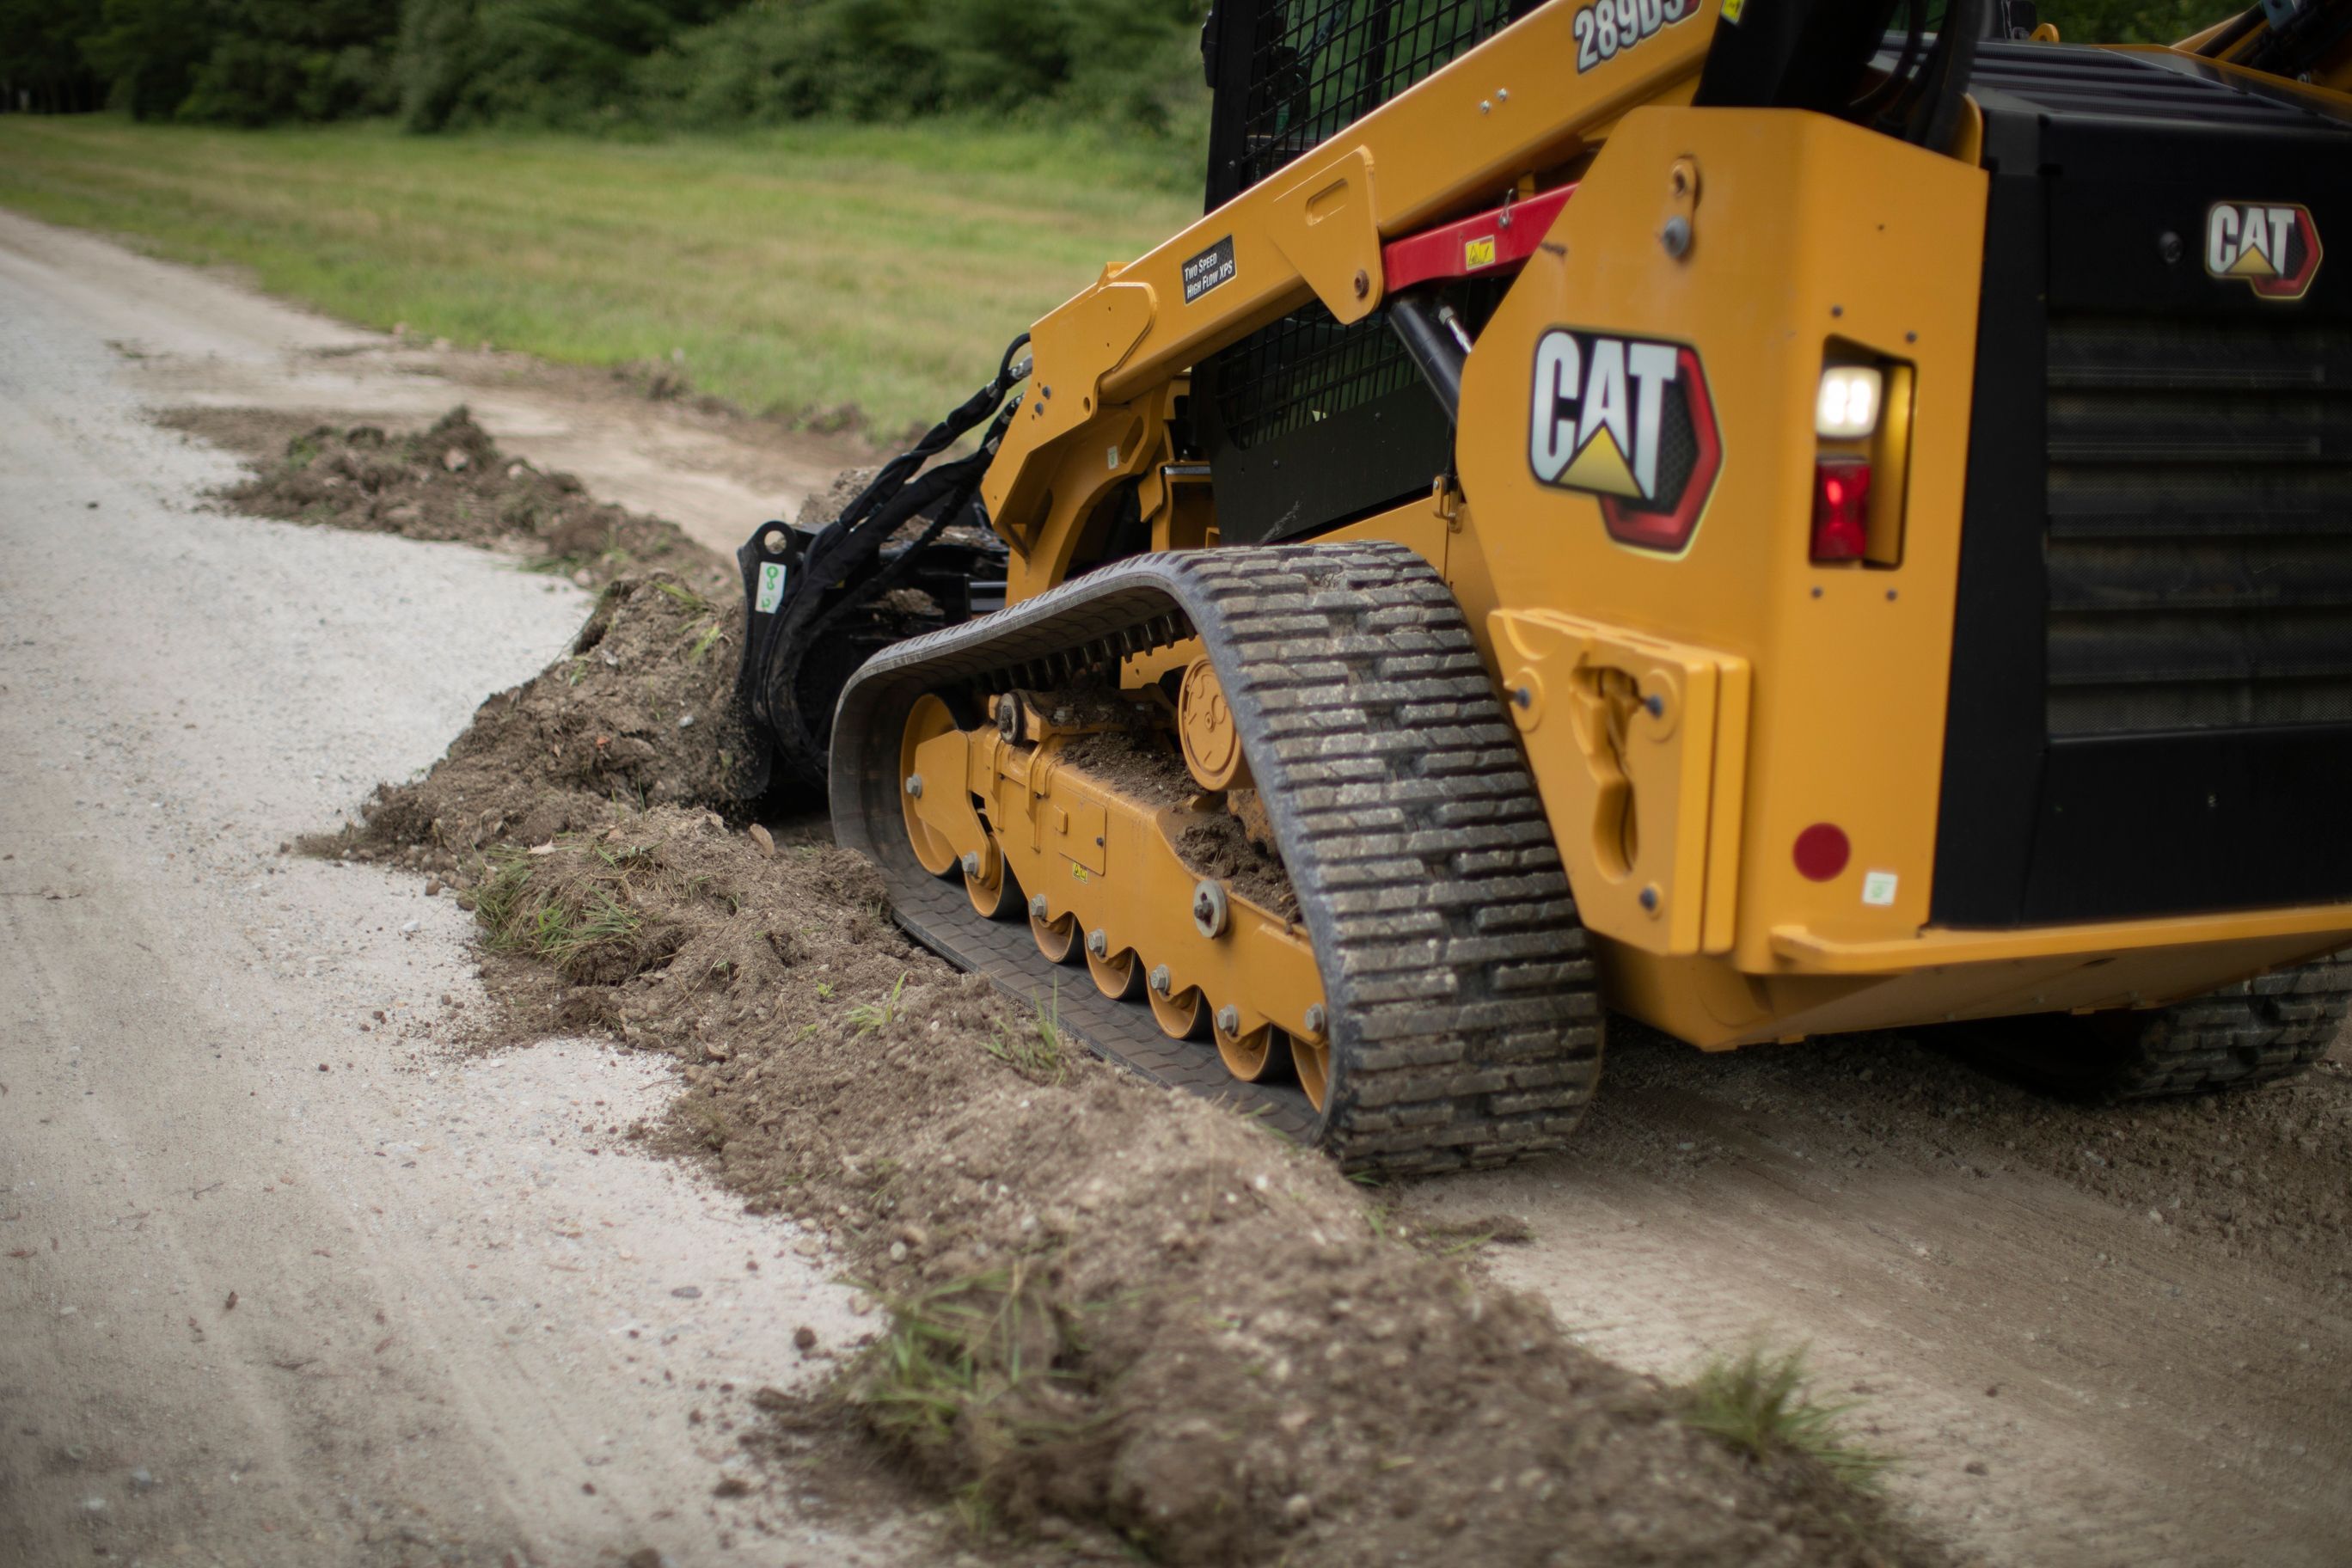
{"x":1122,"y":1317}
{"x":449,"y":481}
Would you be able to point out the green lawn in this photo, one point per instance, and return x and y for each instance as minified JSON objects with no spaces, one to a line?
{"x":800,"y":269}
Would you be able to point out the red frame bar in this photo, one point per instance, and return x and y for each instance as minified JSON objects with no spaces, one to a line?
{"x":1490,"y":242}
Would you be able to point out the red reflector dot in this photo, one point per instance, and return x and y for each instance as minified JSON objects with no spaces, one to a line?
{"x":1823,"y":851}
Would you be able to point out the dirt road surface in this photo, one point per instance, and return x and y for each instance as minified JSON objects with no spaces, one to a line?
{"x":2093,"y":1337}
{"x":189,"y":339}
{"x":287,"y":1279}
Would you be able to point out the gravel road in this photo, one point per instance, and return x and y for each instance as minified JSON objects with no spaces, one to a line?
{"x":193,"y":339}
{"x":289,"y":1279}
{"x":2093,"y":1337}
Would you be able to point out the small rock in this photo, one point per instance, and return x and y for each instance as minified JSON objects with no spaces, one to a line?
{"x":142,"y":1479}
{"x":431,"y":887}
{"x":686,"y":722}
{"x":454,"y":459}
{"x":898,"y":1252}
{"x":93,"y":1505}
{"x":760,"y":837}
{"x":688,"y":1293}
{"x":1976,"y":1468}
{"x":731,"y":1486}
{"x":1298,"y":1508}
{"x":805,"y":1339}
{"x":410,"y":928}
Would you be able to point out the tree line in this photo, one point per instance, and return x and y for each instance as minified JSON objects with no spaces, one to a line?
{"x":439,"y":64}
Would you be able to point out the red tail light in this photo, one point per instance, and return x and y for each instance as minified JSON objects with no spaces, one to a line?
{"x":1841,"y":509}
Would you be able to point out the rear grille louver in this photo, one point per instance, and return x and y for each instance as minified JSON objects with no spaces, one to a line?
{"x":2199,"y":532}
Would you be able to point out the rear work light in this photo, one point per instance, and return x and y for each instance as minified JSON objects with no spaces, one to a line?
{"x":1842,"y":509}
{"x":1847,"y":408}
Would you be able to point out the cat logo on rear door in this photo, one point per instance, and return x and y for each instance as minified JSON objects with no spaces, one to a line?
{"x":2271,"y":247}
{"x":1628,"y":420}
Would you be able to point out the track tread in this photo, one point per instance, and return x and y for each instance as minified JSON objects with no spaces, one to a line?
{"x":1466,"y":1023}
{"x":2255,"y":1032}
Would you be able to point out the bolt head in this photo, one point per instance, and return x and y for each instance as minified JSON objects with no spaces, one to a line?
{"x":915,"y":785}
{"x":1523,"y":697}
{"x":2168,"y":246}
{"x":1159,"y":980}
{"x":1098,"y":942}
{"x":1677,"y":237}
{"x":1363,"y":284}
{"x":1650,"y":897}
{"x":1229,"y":1020}
{"x":1315,"y":1019}
{"x":1037,"y":909}
{"x":971,"y":864}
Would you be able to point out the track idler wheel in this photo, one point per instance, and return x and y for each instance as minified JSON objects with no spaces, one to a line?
{"x":927,"y":721}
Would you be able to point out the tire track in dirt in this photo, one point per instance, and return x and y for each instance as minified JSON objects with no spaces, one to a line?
{"x":2074,"y":1374}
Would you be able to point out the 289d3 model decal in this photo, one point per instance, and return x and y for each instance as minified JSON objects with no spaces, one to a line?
{"x":1608,"y":27}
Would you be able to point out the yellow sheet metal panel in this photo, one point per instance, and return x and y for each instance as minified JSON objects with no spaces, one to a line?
{"x":1804,"y":229}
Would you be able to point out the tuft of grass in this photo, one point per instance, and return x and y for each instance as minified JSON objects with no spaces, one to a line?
{"x":1756,"y":1404}
{"x":967,"y":1372}
{"x":684,"y":597}
{"x":842,"y":276}
{"x":1039,"y":1050}
{"x":567,"y":924}
{"x":868,"y":1016}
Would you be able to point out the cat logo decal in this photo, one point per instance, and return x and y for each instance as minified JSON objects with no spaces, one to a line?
{"x":2272,"y":248}
{"x":1628,"y":420}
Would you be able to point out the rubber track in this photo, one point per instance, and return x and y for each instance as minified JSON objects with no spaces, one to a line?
{"x":1466,"y":1023}
{"x":2254,"y":1032}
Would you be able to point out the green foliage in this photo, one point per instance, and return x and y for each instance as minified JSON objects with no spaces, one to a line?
{"x":2134,"y":21}
{"x":576,"y":64}
{"x":1129,"y":61}
{"x":1757,"y":1405}
{"x":41,"y":62}
{"x":244,"y":62}
{"x":545,"y":62}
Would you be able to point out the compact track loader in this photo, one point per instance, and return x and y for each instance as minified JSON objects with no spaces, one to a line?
{"x":1768,"y":518}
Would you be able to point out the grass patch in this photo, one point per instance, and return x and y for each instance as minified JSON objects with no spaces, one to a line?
{"x":968,"y":1383}
{"x":801,"y":270}
{"x":867,"y":1017}
{"x":1037,"y":1050}
{"x":584,"y":920}
{"x":1756,"y":1404}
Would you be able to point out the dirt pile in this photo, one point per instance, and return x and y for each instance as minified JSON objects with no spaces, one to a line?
{"x":449,"y":482}
{"x":639,"y":712}
{"x":1124,"y":1317}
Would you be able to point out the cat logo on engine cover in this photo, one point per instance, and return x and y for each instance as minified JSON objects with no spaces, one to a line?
{"x":1628,"y":420}
{"x":2271,"y":247}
